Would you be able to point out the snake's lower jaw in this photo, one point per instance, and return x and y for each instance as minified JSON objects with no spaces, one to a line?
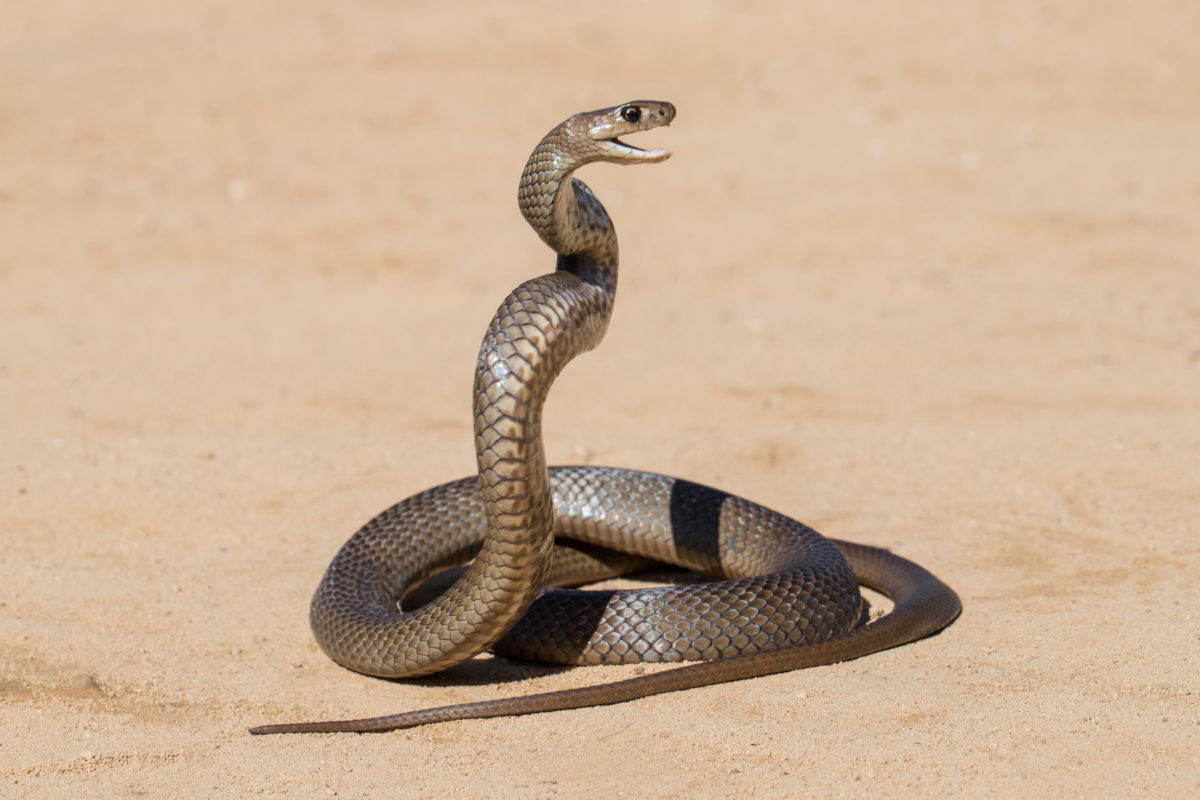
{"x":621,"y":153}
{"x":657,"y":154}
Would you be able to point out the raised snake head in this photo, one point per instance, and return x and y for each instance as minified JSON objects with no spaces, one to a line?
{"x":592,"y":135}
{"x":606,"y":125}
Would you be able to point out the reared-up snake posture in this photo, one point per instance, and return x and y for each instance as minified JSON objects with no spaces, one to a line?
{"x":788,"y":597}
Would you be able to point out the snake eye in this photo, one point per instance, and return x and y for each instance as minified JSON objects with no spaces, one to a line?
{"x":631,"y":114}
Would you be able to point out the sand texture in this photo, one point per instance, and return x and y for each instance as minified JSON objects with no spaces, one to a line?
{"x":924,"y":275}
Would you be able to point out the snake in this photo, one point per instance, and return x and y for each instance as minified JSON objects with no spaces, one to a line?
{"x":779,"y":596}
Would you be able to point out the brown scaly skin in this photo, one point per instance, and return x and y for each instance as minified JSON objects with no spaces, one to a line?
{"x":790,"y":598}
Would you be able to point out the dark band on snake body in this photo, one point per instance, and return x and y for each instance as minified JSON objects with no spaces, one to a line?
{"x":787,"y":597}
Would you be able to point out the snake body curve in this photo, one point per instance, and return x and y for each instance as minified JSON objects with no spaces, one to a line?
{"x":788,"y":597}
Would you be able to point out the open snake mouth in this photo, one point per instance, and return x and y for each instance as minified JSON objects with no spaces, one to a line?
{"x":630,"y":152}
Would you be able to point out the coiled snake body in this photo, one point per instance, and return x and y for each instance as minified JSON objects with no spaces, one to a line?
{"x":789,"y":598}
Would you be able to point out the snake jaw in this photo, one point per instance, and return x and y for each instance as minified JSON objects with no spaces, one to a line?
{"x":622,"y":153}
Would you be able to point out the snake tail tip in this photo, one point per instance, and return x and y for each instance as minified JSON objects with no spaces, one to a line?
{"x":262,"y":730}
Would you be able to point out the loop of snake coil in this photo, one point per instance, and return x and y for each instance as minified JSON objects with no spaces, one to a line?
{"x":789,"y":597}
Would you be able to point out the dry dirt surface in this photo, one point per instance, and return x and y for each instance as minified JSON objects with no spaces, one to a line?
{"x":924,"y":275}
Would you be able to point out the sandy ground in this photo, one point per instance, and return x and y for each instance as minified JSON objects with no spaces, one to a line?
{"x":924,"y":275}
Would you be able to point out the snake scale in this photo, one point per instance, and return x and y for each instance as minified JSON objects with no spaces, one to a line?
{"x":787,"y":597}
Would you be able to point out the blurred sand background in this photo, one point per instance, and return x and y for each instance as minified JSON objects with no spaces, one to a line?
{"x":923,"y":275}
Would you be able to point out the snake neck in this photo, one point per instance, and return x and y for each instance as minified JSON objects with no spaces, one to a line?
{"x":565,"y":213}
